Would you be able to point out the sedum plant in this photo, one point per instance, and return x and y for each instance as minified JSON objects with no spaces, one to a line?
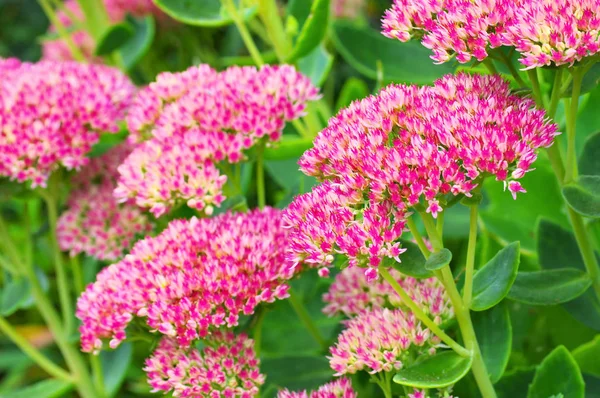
{"x":302,"y":198}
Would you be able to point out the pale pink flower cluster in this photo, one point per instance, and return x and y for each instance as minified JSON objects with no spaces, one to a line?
{"x":58,"y":50}
{"x":94,"y":222}
{"x":198,"y":118}
{"x":351,"y":293}
{"x":339,"y":388}
{"x":51,"y":114}
{"x":227,"y":366}
{"x":349,"y":9}
{"x":380,"y":340}
{"x":545,"y":32}
{"x":406,"y":146}
{"x":194,"y":277}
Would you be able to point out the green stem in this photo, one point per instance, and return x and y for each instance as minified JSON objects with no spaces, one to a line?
{"x":465,"y":324}
{"x":586,"y":248}
{"x":513,"y":71}
{"x":269,"y":14}
{"x":77,"y":275}
{"x":418,"y":237}
{"x":244,"y":32}
{"x":96,"y":17}
{"x":535,"y":85}
{"x":257,"y":331}
{"x":16,"y":265}
{"x":62,"y":31}
{"x":470,"y":265}
{"x":489,"y":64}
{"x":439,"y":225}
{"x":98,"y":374}
{"x":555,"y":98}
{"x":383,"y":380}
{"x":306,"y":320}
{"x":50,"y":367}
{"x":571,"y":111}
{"x":260,"y":175}
{"x":61,"y":272}
{"x":434,"y":236}
{"x":406,"y":300}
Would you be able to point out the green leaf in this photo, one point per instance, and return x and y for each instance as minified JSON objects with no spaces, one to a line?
{"x":316,"y":65}
{"x":313,"y":30}
{"x":412,"y":261}
{"x":299,"y":10}
{"x":549,"y":287}
{"x":295,"y":372}
{"x":584,"y":196}
{"x":514,"y":383}
{"x":438,"y":371}
{"x":363,"y":48}
{"x":208,"y":13}
{"x":353,"y":89}
{"x":107,"y":142}
{"x":50,"y":388}
{"x":589,"y":162}
{"x":14,"y":295}
{"x":114,"y":367}
{"x":289,"y":147}
{"x":590,"y":81}
{"x":115,"y":37}
{"x":587,"y":355}
{"x":557,"y":374}
{"x":139,"y":44}
{"x":494,"y":335}
{"x":438,"y":260}
{"x":493,"y":281}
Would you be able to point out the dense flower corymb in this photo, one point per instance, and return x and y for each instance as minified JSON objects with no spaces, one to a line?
{"x":94,"y":222}
{"x":351,"y":294}
{"x":339,"y":388}
{"x":200,"y":117}
{"x":197,"y":275}
{"x":52,"y":113}
{"x":380,"y":340}
{"x":226,"y":367}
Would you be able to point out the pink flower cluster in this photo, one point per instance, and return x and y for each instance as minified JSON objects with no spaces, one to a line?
{"x":339,"y":388}
{"x":380,"y":340}
{"x":58,"y":50}
{"x":226,"y":367}
{"x":545,"y":32}
{"x":351,"y":294}
{"x":94,"y":222}
{"x":198,"y":118}
{"x":197,"y":275}
{"x":350,"y":9}
{"x":52,"y":113}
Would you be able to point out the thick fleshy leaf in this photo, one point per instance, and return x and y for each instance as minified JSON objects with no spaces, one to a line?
{"x":587,"y":356}
{"x":14,"y":295}
{"x":313,"y":30}
{"x":494,"y":335}
{"x":114,"y":367}
{"x":51,"y":388}
{"x":549,"y":287}
{"x":364,"y":48}
{"x":139,"y":44}
{"x":557,"y":374}
{"x":493,"y":281}
{"x":584,"y":196}
{"x":316,"y":65}
{"x":289,"y":147}
{"x":438,"y":260}
{"x":589,"y":161}
{"x":441,"y":370}
{"x":412,"y":261}
{"x":115,"y":37}
{"x":209,"y":13}
{"x":353,"y":89}
{"x":515,"y":383}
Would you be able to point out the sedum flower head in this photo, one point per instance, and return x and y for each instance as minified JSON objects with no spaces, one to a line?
{"x":94,"y":222}
{"x":198,"y":118}
{"x":52,"y":113}
{"x":227,"y":366}
{"x":197,"y":275}
{"x":351,"y":294}
{"x":339,"y":388}
{"x":380,"y":340}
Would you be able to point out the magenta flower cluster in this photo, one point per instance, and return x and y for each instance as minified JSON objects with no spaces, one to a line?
{"x":544,"y":32}
{"x":339,"y":388}
{"x":94,"y":222}
{"x":404,"y":147}
{"x":196,"y":276}
{"x":380,"y":340}
{"x":52,"y":113}
{"x":351,"y":294}
{"x":227,"y":366}
{"x":198,"y":118}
